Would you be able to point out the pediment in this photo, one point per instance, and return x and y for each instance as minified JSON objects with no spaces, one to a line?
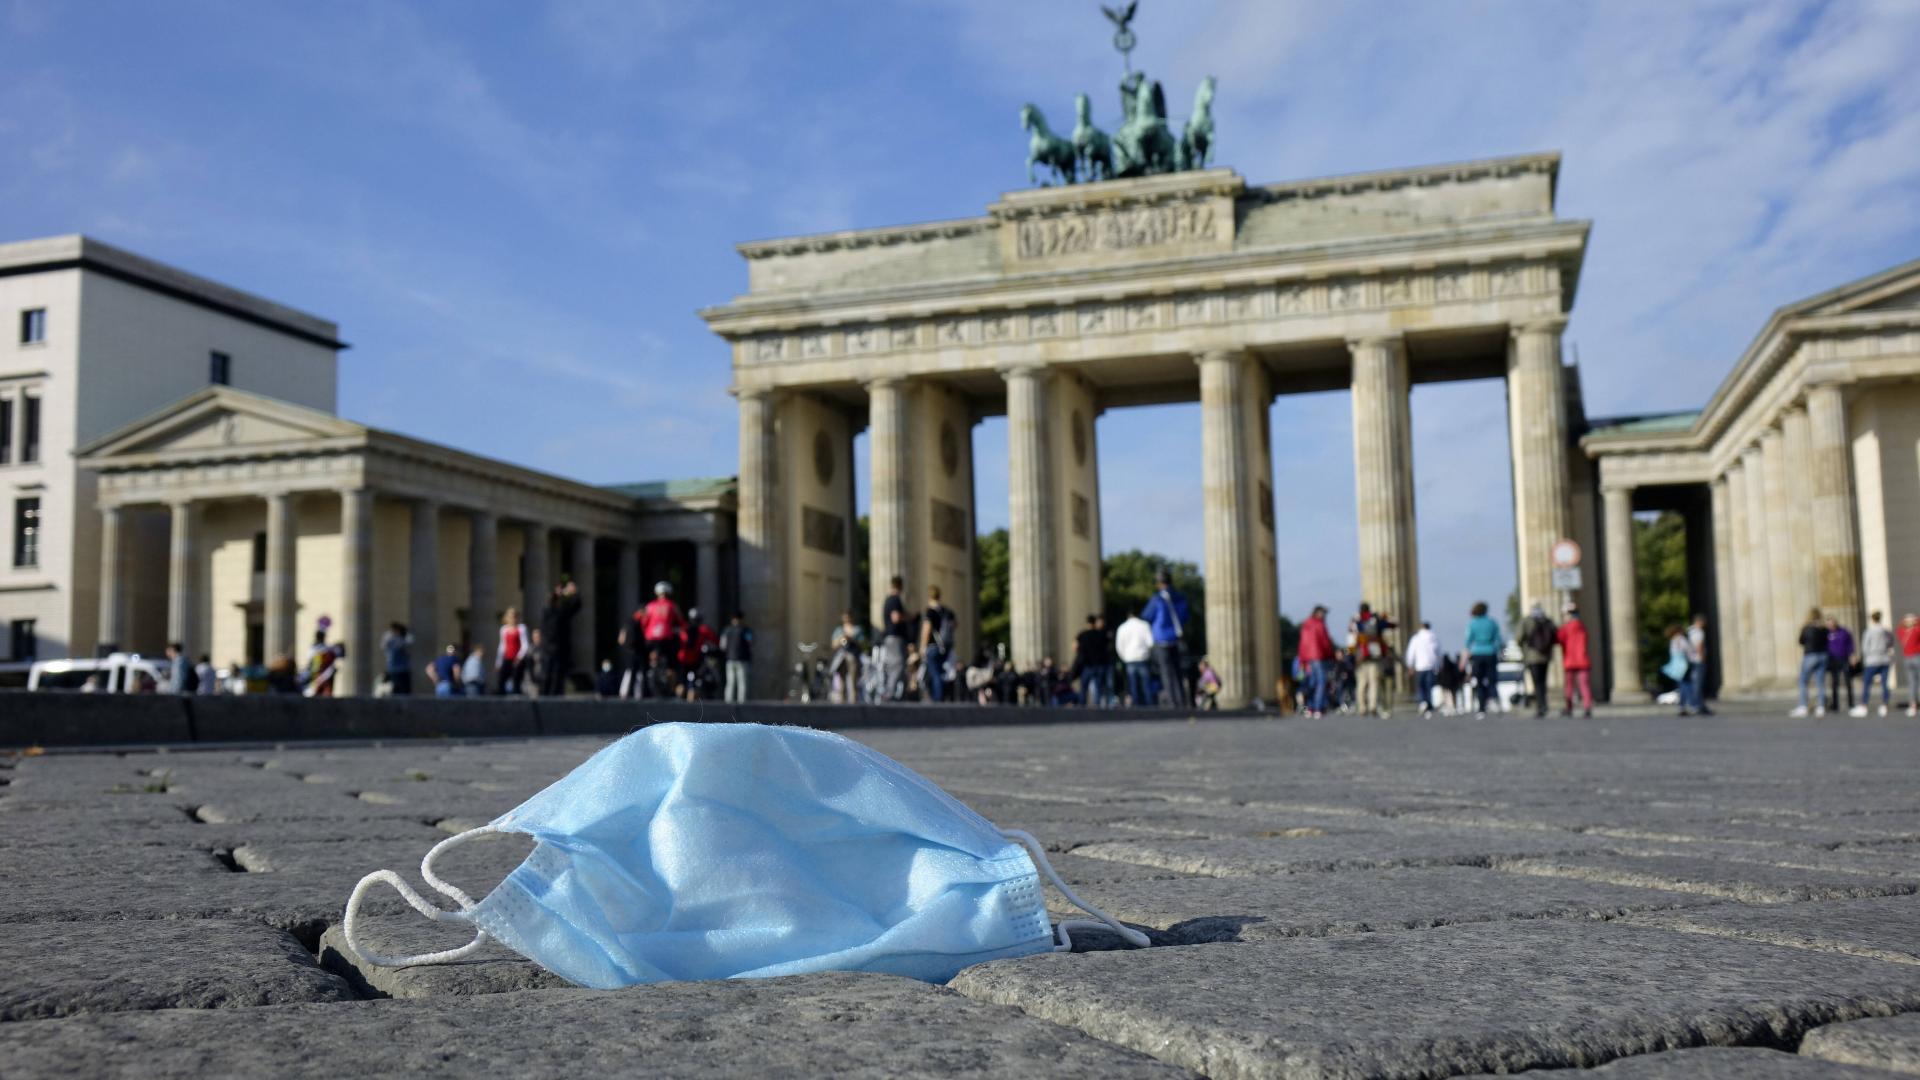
{"x":1897,"y":289}
{"x":218,"y":419}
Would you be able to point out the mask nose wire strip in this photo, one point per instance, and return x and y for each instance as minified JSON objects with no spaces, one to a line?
{"x":1129,"y":934}
{"x":420,"y":904}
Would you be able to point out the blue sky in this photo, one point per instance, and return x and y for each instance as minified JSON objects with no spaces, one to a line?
{"x":514,"y":209}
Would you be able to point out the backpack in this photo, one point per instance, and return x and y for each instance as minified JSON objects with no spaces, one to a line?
{"x":944,"y":633}
{"x":190,"y":681}
{"x":1540,"y":635}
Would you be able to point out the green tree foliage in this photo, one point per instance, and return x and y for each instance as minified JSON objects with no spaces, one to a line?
{"x":862,"y":568}
{"x":991,"y":570}
{"x":1127,"y":581}
{"x":1660,"y":569}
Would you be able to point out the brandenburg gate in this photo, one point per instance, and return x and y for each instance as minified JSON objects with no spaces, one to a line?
{"x":1063,"y":302}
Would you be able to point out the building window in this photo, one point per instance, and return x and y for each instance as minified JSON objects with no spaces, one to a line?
{"x":25,"y":643}
{"x":33,"y":326}
{"x":260,"y":553}
{"x":220,"y":369}
{"x":26,"y":532}
{"x":30,"y":428}
{"x":6,"y":431}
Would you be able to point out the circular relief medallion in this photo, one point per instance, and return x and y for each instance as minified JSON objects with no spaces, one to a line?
{"x":949,"y":448}
{"x":1079,"y":438}
{"x":823,"y":457}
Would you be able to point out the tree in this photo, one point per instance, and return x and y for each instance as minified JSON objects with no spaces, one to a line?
{"x":1660,"y":572}
{"x":991,"y":569}
{"x":1127,"y":581}
{"x":862,"y":568}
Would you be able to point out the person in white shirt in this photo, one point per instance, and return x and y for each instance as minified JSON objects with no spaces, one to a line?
{"x":1423,"y":657}
{"x":1133,"y":644}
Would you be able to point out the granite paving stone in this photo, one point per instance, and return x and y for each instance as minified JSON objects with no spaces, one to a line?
{"x":841,"y":1024}
{"x":1495,"y":997}
{"x":68,"y":968}
{"x":1888,"y":1042}
{"x":1885,"y":929}
{"x":1751,"y":882}
{"x":1289,"y":851}
{"x":494,"y":969}
{"x":1715,"y":1063}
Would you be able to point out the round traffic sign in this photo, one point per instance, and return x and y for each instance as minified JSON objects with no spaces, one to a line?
{"x":1565,"y":554}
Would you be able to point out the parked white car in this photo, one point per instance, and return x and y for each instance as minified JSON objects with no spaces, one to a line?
{"x":120,"y":673}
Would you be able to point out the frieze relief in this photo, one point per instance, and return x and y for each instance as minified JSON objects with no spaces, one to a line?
{"x":1117,"y":230}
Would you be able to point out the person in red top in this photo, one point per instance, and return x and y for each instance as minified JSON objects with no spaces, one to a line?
{"x":1910,"y":659}
{"x":1316,"y":656}
{"x":1572,"y":638}
{"x":661,"y":624}
{"x":699,"y":642}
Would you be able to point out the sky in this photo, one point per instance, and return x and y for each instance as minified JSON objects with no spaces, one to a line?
{"x":514,"y":209}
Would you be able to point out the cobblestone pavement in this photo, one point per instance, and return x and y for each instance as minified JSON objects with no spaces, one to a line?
{"x":1646,"y":897}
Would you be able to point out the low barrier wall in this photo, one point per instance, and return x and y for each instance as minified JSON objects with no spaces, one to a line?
{"x":65,"y":719}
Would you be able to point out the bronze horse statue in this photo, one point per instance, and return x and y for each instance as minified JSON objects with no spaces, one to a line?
{"x":1044,"y":147}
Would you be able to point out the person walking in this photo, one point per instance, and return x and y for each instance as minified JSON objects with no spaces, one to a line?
{"x":1537,"y":639}
{"x":1876,"y":659}
{"x":894,"y":628}
{"x":697,"y":646}
{"x":1423,"y":659}
{"x":1679,"y":663}
{"x":736,"y":646}
{"x":1369,"y":633}
{"x":1841,"y":658}
{"x":938,"y":626}
{"x":444,"y":673}
{"x":1133,"y":645}
{"x":1166,"y":614}
{"x":661,"y":627}
{"x":1576,"y":667}
{"x":1697,"y":654}
{"x":514,"y":645}
{"x":1813,"y":664}
{"x":556,"y":634}
{"x":473,"y":673}
{"x":1482,"y":656}
{"x":1316,"y":657}
{"x":203,"y":673}
{"x":1093,"y":655}
{"x":1910,"y":659}
{"x":181,"y":678}
{"x":396,"y":645}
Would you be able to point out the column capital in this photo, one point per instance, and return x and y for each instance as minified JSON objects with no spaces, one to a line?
{"x":1023,"y":370}
{"x":1214,"y":356}
{"x":1542,"y":324}
{"x":1370,"y":341}
{"x":1617,"y":489}
{"x":884,"y":382}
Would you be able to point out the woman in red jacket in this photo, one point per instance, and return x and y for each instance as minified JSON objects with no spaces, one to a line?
{"x":1572,"y":636}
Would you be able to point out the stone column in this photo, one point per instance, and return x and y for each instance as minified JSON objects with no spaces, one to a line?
{"x":423,"y":579}
{"x":1722,"y":631}
{"x":1797,"y":443}
{"x":1836,"y":547}
{"x":1224,"y":481}
{"x":762,"y":537}
{"x":1030,"y":510}
{"x":626,"y":591}
{"x":483,"y":580}
{"x":1787,"y":609}
{"x":537,"y":571}
{"x":890,"y":511}
{"x":586,"y":651}
{"x":1383,"y":479}
{"x":181,"y":583}
{"x":1537,"y":426}
{"x":1623,"y":597}
{"x":281,"y":603}
{"x":363,"y":665}
{"x":706,"y":577}
{"x":1740,"y":631}
{"x":113,"y":601}
{"x":1761,"y":647}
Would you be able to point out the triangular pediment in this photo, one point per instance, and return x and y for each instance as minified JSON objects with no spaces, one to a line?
{"x":218,"y":419}
{"x":1895,"y":289}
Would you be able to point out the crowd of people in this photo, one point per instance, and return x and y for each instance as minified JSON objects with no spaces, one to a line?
{"x":1831,"y":660}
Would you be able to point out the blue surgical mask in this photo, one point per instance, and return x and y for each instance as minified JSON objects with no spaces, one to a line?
{"x":716,"y":851}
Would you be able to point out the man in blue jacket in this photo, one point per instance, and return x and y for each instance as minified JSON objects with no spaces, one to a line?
{"x":1166,"y":613}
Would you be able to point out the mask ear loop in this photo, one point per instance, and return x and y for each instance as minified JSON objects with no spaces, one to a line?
{"x":1127,"y":933}
{"x":420,"y":904}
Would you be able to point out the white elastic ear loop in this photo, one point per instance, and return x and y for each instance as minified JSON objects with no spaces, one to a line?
{"x":420,"y":904}
{"x":1127,"y":933}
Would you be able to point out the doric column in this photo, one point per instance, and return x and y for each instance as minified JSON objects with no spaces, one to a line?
{"x":1761,"y":648}
{"x":1797,"y":444}
{"x":1781,"y":555}
{"x":113,"y":591}
{"x":1623,"y":597}
{"x":182,"y":591}
{"x":1726,"y":603}
{"x":586,"y":652}
{"x":278,"y":582}
{"x":536,"y":570}
{"x":483,"y":580}
{"x":626,"y":588}
{"x":1383,"y":481}
{"x":1226,"y":502}
{"x":423,"y":579}
{"x":1740,"y":631}
{"x":1537,"y":424}
{"x":890,"y":511}
{"x":706,"y":578}
{"x":1030,"y":516}
{"x":1836,"y":546}
{"x":758,"y":524}
{"x":363,"y":666}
